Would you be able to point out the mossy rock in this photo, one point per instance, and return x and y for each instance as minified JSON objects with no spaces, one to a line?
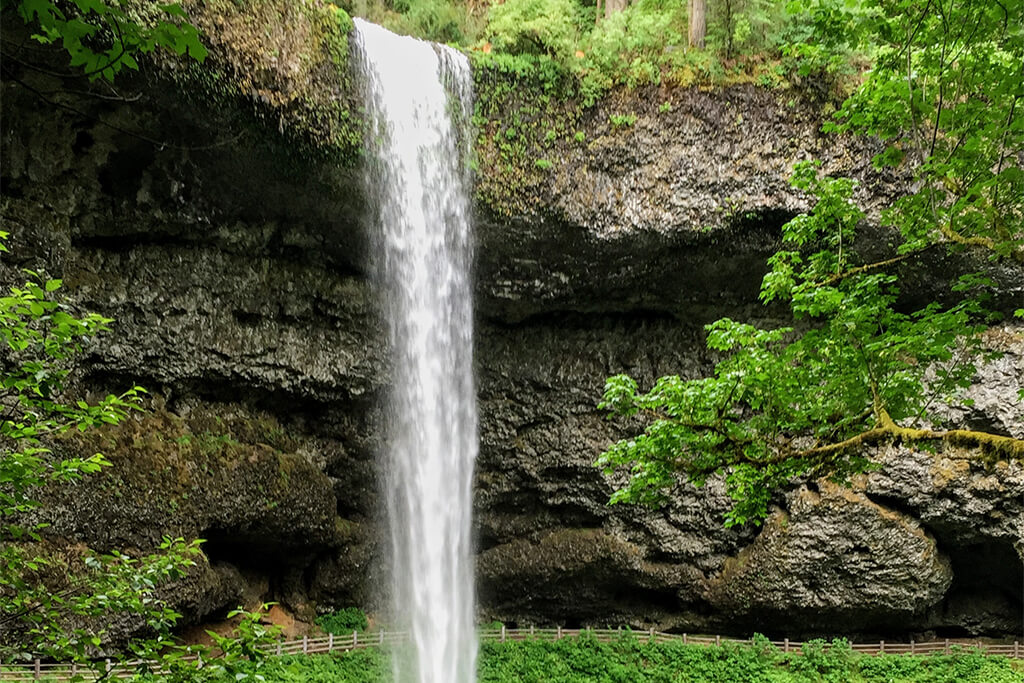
{"x":287,"y":61}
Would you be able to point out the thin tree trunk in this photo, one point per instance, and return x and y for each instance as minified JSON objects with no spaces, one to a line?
{"x":613,"y":6}
{"x":698,"y":22}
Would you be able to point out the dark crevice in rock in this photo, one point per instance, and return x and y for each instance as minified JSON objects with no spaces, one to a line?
{"x":184,"y":238}
{"x":572,"y":319}
{"x":986,"y":596}
{"x":83,"y":142}
{"x":987,"y":593}
{"x":765,"y":221}
{"x":982,"y":421}
{"x":121,"y":176}
{"x":251,"y":551}
{"x":218,"y":388}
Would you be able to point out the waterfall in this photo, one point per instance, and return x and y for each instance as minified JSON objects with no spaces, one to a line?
{"x":417,"y":181}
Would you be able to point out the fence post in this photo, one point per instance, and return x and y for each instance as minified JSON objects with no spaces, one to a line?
{"x":382,"y":636}
{"x":531,"y":630}
{"x":684,"y":639}
{"x":74,"y":669}
{"x":330,"y":642}
{"x":558,"y":634}
{"x":652,"y":633}
{"x":503,"y":633}
{"x":946,"y":648}
{"x":305,"y":645}
{"x":911,"y":646}
{"x":718,"y":641}
{"x":1016,"y":649}
{"x":881,"y":647}
{"x":785,"y":645}
{"x":37,"y":672}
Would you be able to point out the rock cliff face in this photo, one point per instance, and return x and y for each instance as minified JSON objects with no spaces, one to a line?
{"x":235,"y":271}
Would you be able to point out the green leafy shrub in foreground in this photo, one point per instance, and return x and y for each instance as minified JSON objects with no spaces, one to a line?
{"x":343,"y":621}
{"x":636,"y":660}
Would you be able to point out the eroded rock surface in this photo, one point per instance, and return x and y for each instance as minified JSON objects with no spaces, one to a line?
{"x":833,"y":557}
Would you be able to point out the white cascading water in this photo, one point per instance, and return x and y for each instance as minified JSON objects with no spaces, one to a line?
{"x":418,"y":181}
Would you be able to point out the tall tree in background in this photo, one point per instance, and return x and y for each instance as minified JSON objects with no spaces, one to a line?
{"x":698,"y":22}
{"x":613,"y":6}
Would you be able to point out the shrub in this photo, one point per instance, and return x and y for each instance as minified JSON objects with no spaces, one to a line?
{"x":539,"y":27}
{"x":343,"y":621}
{"x":628,"y":47}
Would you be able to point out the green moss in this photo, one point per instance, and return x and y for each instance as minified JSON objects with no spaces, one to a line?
{"x":279,"y":65}
{"x":527,"y":109}
{"x":180,"y":456}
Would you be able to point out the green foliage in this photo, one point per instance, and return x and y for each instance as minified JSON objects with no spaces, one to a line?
{"x":59,"y":605}
{"x":537,"y":27}
{"x":630,"y":659}
{"x":524,"y":106}
{"x":358,"y":666}
{"x":442,"y":21}
{"x":627,"y":48}
{"x":945,"y":96}
{"x":102,"y":38}
{"x":242,"y":656}
{"x":622,"y":120}
{"x":343,"y":621}
{"x":823,"y":40}
{"x":42,"y":336}
{"x":783,"y":404}
{"x":861,"y":371}
{"x":747,"y":26}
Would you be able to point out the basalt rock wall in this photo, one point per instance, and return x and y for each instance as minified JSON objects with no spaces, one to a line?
{"x":233,"y":260}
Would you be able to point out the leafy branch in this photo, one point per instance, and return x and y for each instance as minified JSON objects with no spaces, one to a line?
{"x":783,"y":403}
{"x":102,"y":38}
{"x":52,"y":603}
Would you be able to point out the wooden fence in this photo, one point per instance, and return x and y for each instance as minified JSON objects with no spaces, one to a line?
{"x":42,"y":671}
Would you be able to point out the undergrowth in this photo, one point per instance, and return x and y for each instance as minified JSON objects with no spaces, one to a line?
{"x":636,"y":660}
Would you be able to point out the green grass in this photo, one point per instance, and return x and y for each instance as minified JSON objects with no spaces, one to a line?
{"x":634,"y":660}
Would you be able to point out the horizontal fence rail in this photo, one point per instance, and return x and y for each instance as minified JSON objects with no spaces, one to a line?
{"x":108,"y":670}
